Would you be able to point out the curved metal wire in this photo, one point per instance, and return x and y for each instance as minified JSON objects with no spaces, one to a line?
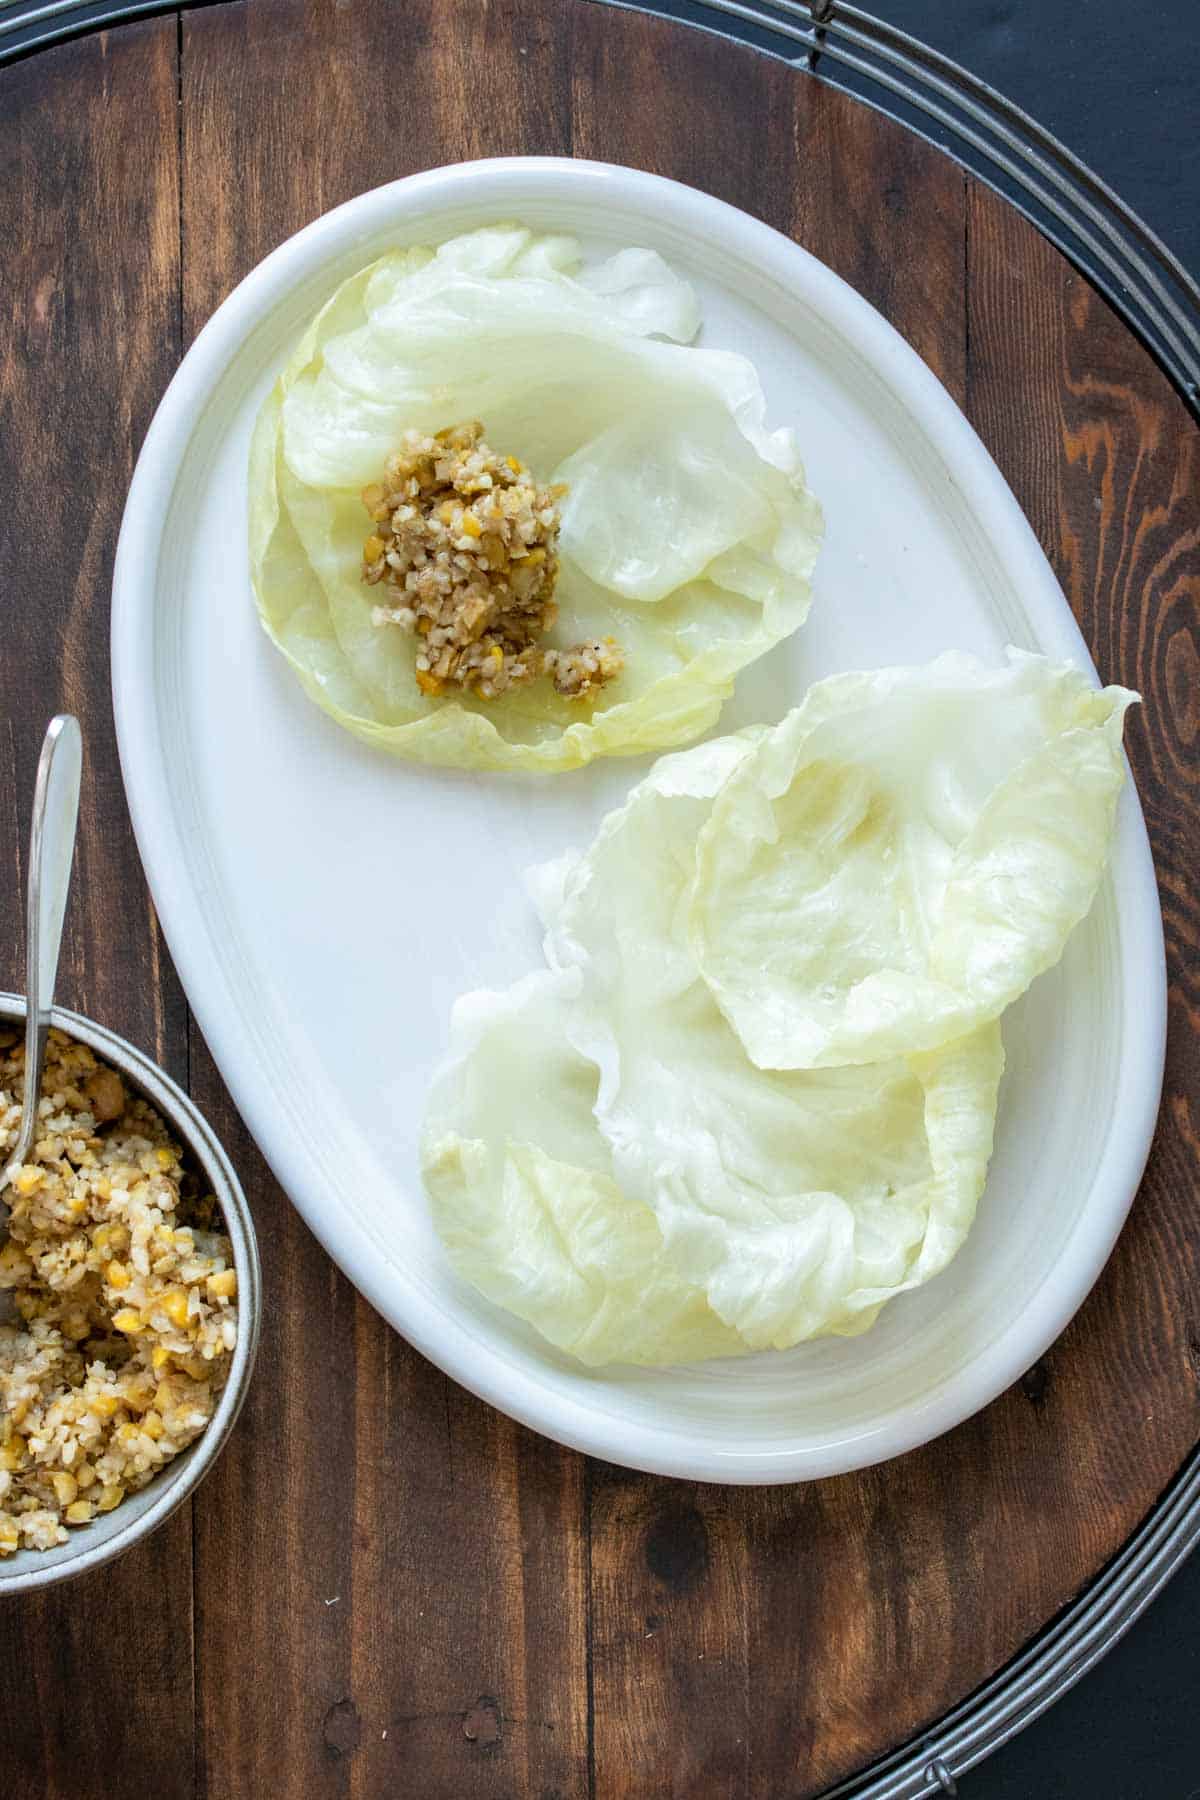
{"x":1053,"y":1663}
{"x":997,"y":142}
{"x":27,"y":25}
{"x":1160,"y":302}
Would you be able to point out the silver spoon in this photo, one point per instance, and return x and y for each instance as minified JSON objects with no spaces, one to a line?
{"x":51,"y":851}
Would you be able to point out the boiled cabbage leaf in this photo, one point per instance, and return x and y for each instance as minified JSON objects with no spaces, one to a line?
{"x":893,"y":864}
{"x":605,"y":1160}
{"x":524,"y":1198}
{"x":687,"y":531}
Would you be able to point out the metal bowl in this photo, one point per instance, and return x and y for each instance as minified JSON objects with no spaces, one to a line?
{"x":88,"y":1546}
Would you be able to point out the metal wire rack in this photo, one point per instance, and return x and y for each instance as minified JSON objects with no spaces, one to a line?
{"x":27,"y":25}
{"x":995,"y":140}
{"x":1079,"y":213}
{"x":1160,"y":302}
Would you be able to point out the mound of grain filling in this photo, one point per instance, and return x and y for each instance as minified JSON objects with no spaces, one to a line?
{"x":121,"y":1311}
{"x":467,"y":543}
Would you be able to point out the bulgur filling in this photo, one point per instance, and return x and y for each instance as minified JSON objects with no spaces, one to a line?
{"x":125,"y":1299}
{"x":467,"y":542}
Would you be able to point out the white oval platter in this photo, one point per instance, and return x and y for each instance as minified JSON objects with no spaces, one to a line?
{"x":325,"y":904}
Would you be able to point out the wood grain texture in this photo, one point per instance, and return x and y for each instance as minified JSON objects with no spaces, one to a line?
{"x":397,"y":1591}
{"x":415,"y":1570}
{"x":90,"y":338}
{"x":751,"y":1658}
{"x":1106,"y":463}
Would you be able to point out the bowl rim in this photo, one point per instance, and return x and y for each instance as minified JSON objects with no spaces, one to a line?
{"x":155,"y":1085}
{"x":501,"y":187}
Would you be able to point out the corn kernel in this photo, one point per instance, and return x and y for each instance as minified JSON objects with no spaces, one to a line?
{"x":127,"y":1320}
{"x":137,"y":1393}
{"x":471,"y":526}
{"x":65,"y":1486}
{"x":85,"y":1475}
{"x":80,"y":1512}
{"x":164,"y":1157}
{"x":222,"y":1286}
{"x":373,"y":548}
{"x":175,"y":1304}
{"x":152,"y":1425}
{"x":110,"y":1496}
{"x":18,"y":1412}
{"x":9,"y":1538}
{"x":428,"y":684}
{"x":12,"y":1453}
{"x":159,"y":1357}
{"x":104,"y":1188}
{"x":117,"y":1275}
{"x":104,"y":1405}
{"x":28,"y":1179}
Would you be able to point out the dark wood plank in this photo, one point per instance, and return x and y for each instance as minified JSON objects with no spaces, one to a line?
{"x":717,"y":1613}
{"x":888,"y":215}
{"x":1105,"y":461}
{"x":97,"y":1676}
{"x":853,"y":1589}
{"x":292,"y":106}
{"x":653,"y":97}
{"x":676,"y":1655}
{"x":480,"y":1525}
{"x":411,"y":1565}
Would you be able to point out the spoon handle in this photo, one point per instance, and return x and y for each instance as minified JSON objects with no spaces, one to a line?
{"x":51,"y":849}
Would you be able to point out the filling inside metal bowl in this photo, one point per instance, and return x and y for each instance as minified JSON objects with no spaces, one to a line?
{"x":122,"y":1311}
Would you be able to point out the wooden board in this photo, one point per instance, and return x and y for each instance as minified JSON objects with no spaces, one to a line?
{"x":385,"y":1589}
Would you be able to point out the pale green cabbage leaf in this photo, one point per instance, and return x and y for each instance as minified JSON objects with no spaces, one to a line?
{"x":523,"y":1195}
{"x":605,"y":1160}
{"x":687,"y":533}
{"x":894,"y":863}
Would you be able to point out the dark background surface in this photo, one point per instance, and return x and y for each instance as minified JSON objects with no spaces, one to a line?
{"x":1113,"y":80}
{"x":1118,"y":84}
